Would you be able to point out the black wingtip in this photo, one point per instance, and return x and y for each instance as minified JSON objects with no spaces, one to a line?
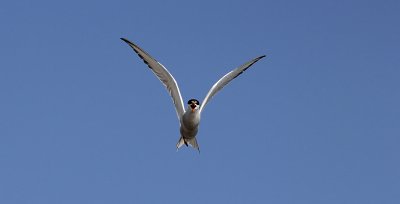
{"x":125,"y":40}
{"x":258,"y":58}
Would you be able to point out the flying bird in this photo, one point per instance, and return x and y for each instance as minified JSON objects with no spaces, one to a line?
{"x":189,"y":119}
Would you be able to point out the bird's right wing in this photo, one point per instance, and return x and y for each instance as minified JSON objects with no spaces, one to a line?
{"x":226,"y":79}
{"x":163,"y":74}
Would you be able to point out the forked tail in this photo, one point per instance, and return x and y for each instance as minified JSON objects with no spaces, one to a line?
{"x":192,"y":142}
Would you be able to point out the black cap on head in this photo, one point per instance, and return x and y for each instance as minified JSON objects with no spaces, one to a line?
{"x":193,"y":100}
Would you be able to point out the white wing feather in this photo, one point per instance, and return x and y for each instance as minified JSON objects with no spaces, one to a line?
{"x":163,"y":74}
{"x":226,"y":79}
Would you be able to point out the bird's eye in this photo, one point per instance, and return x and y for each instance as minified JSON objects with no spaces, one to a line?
{"x":193,"y":101}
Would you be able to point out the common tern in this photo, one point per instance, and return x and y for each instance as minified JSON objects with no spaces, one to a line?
{"x":189,"y":119}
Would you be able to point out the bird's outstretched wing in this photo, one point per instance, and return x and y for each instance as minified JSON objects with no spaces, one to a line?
{"x":163,"y":74}
{"x":226,"y":79}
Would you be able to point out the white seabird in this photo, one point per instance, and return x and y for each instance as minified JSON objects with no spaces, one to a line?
{"x":189,"y":119}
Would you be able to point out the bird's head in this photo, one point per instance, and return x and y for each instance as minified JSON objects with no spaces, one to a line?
{"x":194,"y":104}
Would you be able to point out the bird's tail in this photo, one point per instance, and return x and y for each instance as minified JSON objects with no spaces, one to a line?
{"x":192,"y":142}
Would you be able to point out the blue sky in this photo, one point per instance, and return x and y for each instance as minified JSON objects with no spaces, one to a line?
{"x":83,"y":120}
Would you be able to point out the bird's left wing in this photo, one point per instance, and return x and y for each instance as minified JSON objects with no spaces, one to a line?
{"x":163,"y":74}
{"x":226,"y":79}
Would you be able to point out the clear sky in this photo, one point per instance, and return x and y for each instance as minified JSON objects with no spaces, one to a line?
{"x":83,"y":120}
